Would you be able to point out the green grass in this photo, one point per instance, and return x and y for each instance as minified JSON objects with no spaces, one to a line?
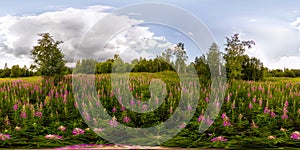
{"x":34,"y":78}
{"x":283,"y":79}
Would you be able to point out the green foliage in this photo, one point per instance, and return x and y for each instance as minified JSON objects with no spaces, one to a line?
{"x":235,"y":56}
{"x":48,"y":57}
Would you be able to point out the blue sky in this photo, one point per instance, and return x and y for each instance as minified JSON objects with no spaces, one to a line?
{"x":273,"y":24}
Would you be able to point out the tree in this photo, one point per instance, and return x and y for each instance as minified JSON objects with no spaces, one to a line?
{"x":234,"y":57}
{"x":214,"y":60}
{"x":181,"y":57}
{"x":48,"y":57}
{"x":15,"y":71}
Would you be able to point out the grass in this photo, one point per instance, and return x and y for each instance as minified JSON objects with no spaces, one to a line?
{"x":283,"y":79}
{"x":34,"y":78}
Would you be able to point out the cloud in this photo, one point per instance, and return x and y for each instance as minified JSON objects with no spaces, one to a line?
{"x":275,"y":40}
{"x":18,"y":34}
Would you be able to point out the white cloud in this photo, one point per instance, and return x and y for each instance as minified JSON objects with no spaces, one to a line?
{"x":18,"y":34}
{"x":252,"y":20}
{"x":276,"y":41}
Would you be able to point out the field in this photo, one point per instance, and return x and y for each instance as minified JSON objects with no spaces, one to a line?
{"x":37,"y":114}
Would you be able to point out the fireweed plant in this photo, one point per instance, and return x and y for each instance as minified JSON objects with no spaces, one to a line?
{"x":36,"y":114}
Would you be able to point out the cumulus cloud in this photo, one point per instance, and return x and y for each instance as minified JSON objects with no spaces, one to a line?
{"x":18,"y":34}
{"x":277,"y":41}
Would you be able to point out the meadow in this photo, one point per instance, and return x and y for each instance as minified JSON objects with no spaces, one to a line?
{"x":38,"y":114}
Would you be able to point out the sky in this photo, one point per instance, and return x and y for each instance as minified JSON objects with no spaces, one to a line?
{"x":274,"y":25}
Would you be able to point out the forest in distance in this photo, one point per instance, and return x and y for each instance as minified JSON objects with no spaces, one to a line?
{"x":238,"y":64}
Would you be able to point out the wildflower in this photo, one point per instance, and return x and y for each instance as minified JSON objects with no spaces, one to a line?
{"x":132,"y":102}
{"x":98,"y":130}
{"x":224,"y":116}
{"x":61,"y":128}
{"x":4,"y":136}
{"x":266,"y":110}
{"x":53,"y":137}
{"x":145,"y":107}
{"x":23,"y":115}
{"x":189,"y":108}
{"x":209,"y":121}
{"x":250,"y":105}
{"x":113,"y":122}
{"x":248,"y":94}
{"x":15,"y":107}
{"x":295,"y":135}
{"x":271,"y":137}
{"x":77,"y":131}
{"x":260,"y":102}
{"x":38,"y":114}
{"x":114,"y":109}
{"x":201,"y":118}
{"x":123,"y":108}
{"x":126,"y":119}
{"x":286,"y":104}
{"x":183,"y":125}
{"x":254,"y":99}
{"x":226,"y":121}
{"x":272,"y":113}
{"x":219,"y":139}
{"x":285,"y":110}
{"x":284,"y":116}
{"x":206,"y":99}
{"x":17,"y":128}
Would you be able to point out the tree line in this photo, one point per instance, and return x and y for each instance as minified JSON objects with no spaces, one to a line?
{"x":49,"y":62}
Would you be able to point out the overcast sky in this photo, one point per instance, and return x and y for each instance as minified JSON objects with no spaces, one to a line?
{"x":274,"y":26}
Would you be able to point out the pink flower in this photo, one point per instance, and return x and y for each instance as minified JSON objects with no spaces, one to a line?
{"x":189,"y":108}
{"x":183,"y":125}
{"x":145,"y":107}
{"x":272,"y":113}
{"x":53,"y":137}
{"x":209,"y":121}
{"x":23,"y":115}
{"x":61,"y":128}
{"x":284,"y":116}
{"x":285,"y":110}
{"x":219,"y":139}
{"x":38,"y":114}
{"x":260,"y":102}
{"x":250,"y":105}
{"x":295,"y":135}
{"x":206,"y":99}
{"x":77,"y":131}
{"x":4,"y":136}
{"x":123,"y":108}
{"x":226,"y":123}
{"x":254,"y":100}
{"x":201,"y":118}
{"x":286,"y":104}
{"x":266,"y":110}
{"x":126,"y":119}
{"x":113,"y":122}
{"x":15,"y":106}
{"x":114,"y":109}
{"x":98,"y":130}
{"x":224,"y":116}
